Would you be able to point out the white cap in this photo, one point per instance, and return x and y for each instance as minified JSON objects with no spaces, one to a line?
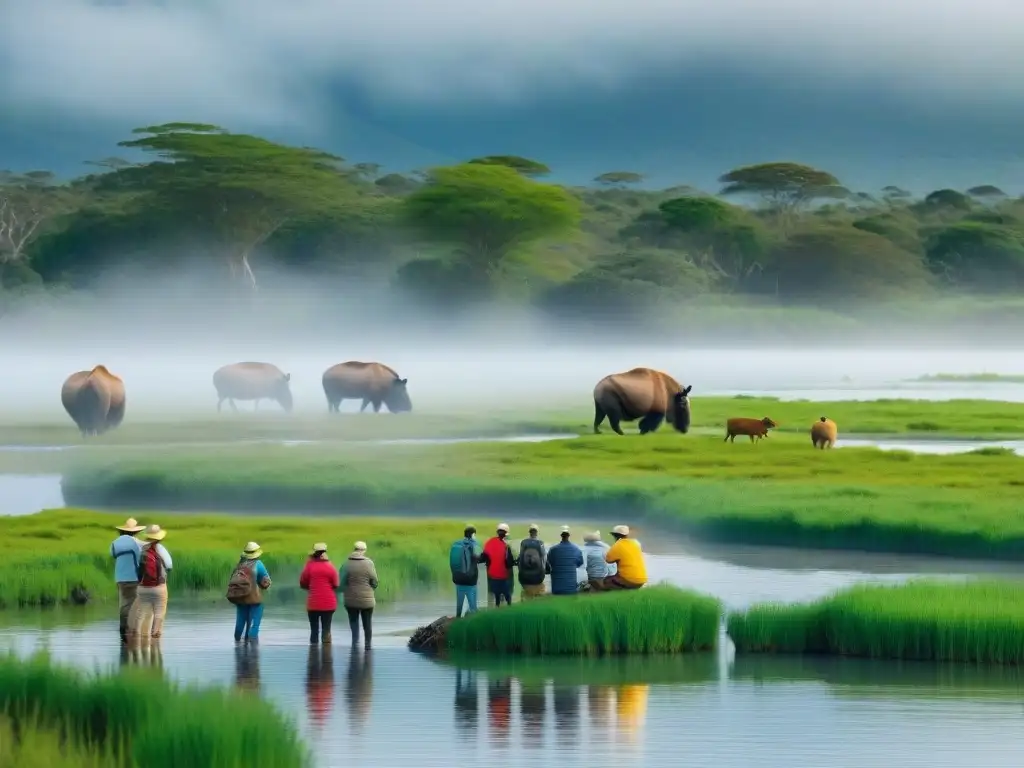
{"x":360,"y":546}
{"x":533,"y":527}
{"x":319,"y":547}
{"x":565,"y":529}
{"x":622,"y":530}
{"x":503,"y":527}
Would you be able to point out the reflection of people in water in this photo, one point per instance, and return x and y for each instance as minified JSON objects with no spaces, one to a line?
{"x":143,"y":654}
{"x":467,"y":701}
{"x":359,"y":685}
{"x":631,"y":711}
{"x":319,"y":684}
{"x":499,"y":707}
{"x":568,"y":712}
{"x":247,"y":667}
{"x":600,"y":707}
{"x":533,"y":706}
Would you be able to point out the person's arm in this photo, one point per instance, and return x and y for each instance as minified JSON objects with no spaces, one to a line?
{"x":579,"y":557}
{"x":612,"y":555}
{"x":165,"y":556}
{"x":373,"y":576}
{"x":262,"y":575}
{"x":304,"y":577}
{"x":343,"y":576}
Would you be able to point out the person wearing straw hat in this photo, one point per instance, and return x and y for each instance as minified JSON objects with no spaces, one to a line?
{"x":564,"y":559}
{"x":594,"y":551}
{"x":359,"y":580}
{"x":126,"y":550}
{"x":625,"y":553}
{"x":245,"y":589}
{"x":320,"y":578}
{"x":151,"y":598}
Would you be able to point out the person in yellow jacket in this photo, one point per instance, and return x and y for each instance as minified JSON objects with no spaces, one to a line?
{"x":631,"y":572}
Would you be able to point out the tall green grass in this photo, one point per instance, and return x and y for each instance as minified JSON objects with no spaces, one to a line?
{"x":35,"y":746}
{"x":132,"y":719}
{"x":659,"y":619}
{"x":974,"y":621}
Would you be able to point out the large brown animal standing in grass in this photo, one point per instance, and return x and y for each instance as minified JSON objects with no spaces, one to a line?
{"x":252,"y":381}
{"x":823,"y":433}
{"x":645,"y":394}
{"x":370,"y":382}
{"x":755,"y":428}
{"x":94,"y":399}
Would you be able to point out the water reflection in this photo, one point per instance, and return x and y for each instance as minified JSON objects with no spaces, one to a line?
{"x":359,"y":686}
{"x":568,"y":713}
{"x":143,"y":654}
{"x":533,"y":710}
{"x":631,"y":712}
{"x":499,"y":708}
{"x":319,"y":684}
{"x":247,"y":667}
{"x":467,"y":701}
{"x":600,"y":709}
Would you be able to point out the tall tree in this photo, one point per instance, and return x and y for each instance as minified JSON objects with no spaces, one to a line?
{"x":784,"y":187}
{"x":239,"y":188}
{"x":27,"y":202}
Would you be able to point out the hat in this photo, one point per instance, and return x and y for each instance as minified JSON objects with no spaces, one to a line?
{"x":503,"y":527}
{"x":318,"y":547}
{"x":592,"y":536}
{"x":622,"y":530}
{"x":252,"y":551}
{"x":131,"y":525}
{"x":565,"y":529}
{"x":359,"y":546}
{"x":154,"y":533}
{"x":533,"y":527}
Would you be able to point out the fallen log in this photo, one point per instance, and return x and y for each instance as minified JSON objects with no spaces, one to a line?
{"x":430,"y":639}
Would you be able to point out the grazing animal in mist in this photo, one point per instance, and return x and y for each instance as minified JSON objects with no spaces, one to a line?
{"x":645,"y":394}
{"x":370,"y":382}
{"x":755,"y":428}
{"x":252,"y":381}
{"x":823,"y":433}
{"x":94,"y":400}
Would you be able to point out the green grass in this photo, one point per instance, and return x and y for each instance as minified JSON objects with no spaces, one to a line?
{"x":970,"y":622}
{"x":44,"y":557}
{"x":659,"y":619}
{"x":779,"y":492}
{"x":36,"y":746}
{"x":973,"y":378}
{"x":136,"y":719}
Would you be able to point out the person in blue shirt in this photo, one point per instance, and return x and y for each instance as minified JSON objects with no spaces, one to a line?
{"x":125,"y":550}
{"x":249,"y":609}
{"x":563,"y":560}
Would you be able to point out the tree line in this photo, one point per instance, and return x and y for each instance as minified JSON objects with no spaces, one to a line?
{"x":775,"y":232}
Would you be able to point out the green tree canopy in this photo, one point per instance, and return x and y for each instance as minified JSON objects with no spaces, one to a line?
{"x":784,"y":187}
{"x":978,"y":255}
{"x":986,"y":192}
{"x":619,"y":178}
{"x":523,"y":165}
{"x":27,"y":202}
{"x":948,"y":199}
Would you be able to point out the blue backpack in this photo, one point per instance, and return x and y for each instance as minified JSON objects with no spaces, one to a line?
{"x":462,"y":560}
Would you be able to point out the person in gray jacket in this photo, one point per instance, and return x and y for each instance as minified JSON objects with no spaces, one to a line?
{"x":359,"y":580}
{"x":594,"y":551}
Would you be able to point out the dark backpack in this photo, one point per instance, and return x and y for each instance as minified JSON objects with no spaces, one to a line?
{"x":151,"y":569}
{"x":242,"y":584}
{"x":531,"y":562}
{"x":462,"y":560}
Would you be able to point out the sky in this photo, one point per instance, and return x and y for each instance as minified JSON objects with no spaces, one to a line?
{"x":668,"y":87}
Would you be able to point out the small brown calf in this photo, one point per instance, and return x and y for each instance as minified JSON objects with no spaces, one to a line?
{"x":754,"y":428}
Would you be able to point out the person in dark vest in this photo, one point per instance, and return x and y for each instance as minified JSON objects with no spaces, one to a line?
{"x":563,"y":560}
{"x":533,"y":565}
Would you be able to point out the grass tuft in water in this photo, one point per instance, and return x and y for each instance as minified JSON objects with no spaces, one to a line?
{"x":973,"y":621}
{"x":659,"y":619}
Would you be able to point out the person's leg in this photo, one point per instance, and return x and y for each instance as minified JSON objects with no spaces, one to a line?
{"x":241,"y":619}
{"x":159,"y":609}
{"x":353,"y":623}
{"x":255,"y":619}
{"x":326,"y":617}
{"x":125,"y":598}
{"x":461,"y":596}
{"x":367,"y":616}
{"x":144,"y":603}
{"x":471,"y":593}
{"x":314,"y":626}
{"x":506,"y":591}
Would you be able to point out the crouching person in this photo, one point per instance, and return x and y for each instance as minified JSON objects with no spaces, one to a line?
{"x":594,"y":551}
{"x":625,"y":553}
{"x":245,"y":590}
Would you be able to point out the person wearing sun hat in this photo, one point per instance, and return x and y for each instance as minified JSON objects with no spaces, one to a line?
{"x":320,"y":579}
{"x":359,"y":581}
{"x":245,"y":589}
{"x":151,"y":597}
{"x":125,"y":550}
{"x":626,"y":553}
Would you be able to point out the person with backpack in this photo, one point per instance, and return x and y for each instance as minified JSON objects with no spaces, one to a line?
{"x":151,"y":596}
{"x":245,"y":590}
{"x":320,"y":578}
{"x":125,"y":550}
{"x":498,"y":558}
{"x":464,"y":559}
{"x":533,"y":565}
{"x":563,"y":560}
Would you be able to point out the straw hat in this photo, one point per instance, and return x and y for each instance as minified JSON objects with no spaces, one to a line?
{"x":359,"y":546}
{"x":592,"y":536}
{"x":154,"y":533}
{"x":252,"y":551}
{"x":622,"y":530}
{"x":503,"y":527}
{"x":131,"y":525}
{"x":318,"y":547}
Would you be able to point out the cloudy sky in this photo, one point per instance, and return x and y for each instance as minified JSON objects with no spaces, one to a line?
{"x":422,"y":81}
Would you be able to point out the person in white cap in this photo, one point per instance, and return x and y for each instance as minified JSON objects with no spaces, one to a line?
{"x":563,"y":560}
{"x":359,"y":581}
{"x":631,"y":572}
{"x":321,"y":581}
{"x":498,"y":557}
{"x":126,"y":550}
{"x":594,"y":551}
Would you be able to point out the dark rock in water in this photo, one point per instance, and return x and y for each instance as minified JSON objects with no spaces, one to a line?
{"x":80,"y":595}
{"x":430,"y":639}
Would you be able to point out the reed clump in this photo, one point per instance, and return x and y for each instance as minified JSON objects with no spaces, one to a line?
{"x":659,"y":619}
{"x":973,"y":621}
{"x":133,"y":719}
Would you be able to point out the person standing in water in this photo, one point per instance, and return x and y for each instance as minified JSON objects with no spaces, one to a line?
{"x":498,"y":556}
{"x":245,"y":590}
{"x":320,"y":579}
{"x":126,"y":551}
{"x":359,"y":580}
{"x":464,"y":559}
{"x":533,"y":564}
{"x":151,"y":597}
{"x":563,"y":560}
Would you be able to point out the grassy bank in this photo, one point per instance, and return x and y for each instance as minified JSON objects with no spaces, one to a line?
{"x":134,"y":719}
{"x":778,"y":492}
{"x":969,"y":622}
{"x":660,"y":619}
{"x":45,"y":558}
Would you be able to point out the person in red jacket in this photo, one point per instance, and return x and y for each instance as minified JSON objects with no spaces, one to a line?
{"x":321,"y":579}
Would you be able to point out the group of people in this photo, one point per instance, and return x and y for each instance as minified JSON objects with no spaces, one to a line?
{"x":142,"y":563}
{"x":618,"y":566}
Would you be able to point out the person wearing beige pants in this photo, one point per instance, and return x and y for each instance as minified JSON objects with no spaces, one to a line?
{"x":150,"y":606}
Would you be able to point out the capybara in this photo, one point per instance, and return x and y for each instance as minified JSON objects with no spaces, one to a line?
{"x":645,"y":394}
{"x":94,"y":399}
{"x":823,"y":432}
{"x":252,"y":381}
{"x":370,"y":382}
{"x":755,"y":428}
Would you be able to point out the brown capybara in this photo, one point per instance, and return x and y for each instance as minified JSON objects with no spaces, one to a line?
{"x":94,"y":399}
{"x":370,"y":382}
{"x":252,"y":381}
{"x":823,"y":433}
{"x":645,"y":394}
{"x":755,"y":428}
